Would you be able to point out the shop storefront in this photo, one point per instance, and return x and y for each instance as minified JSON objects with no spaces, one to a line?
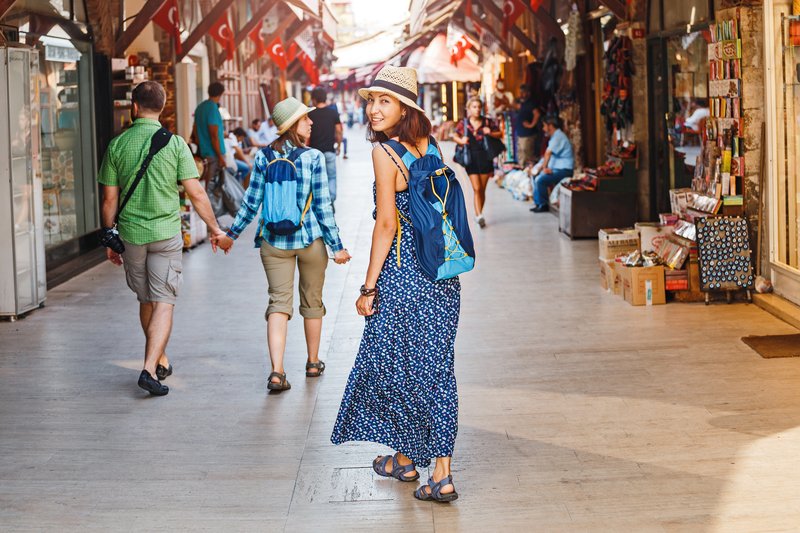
{"x":678,"y":76}
{"x":782,"y":49}
{"x":68,"y":159}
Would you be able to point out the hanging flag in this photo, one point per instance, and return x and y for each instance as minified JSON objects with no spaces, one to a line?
{"x":291,"y":53}
{"x":459,"y":49}
{"x":255,"y":36}
{"x":309,"y":67}
{"x":167,"y":17}
{"x":277,"y":53}
{"x":536,"y":4}
{"x":512,"y":9}
{"x":223,"y":34}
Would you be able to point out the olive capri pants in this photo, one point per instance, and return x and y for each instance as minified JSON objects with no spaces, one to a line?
{"x":279,"y":266}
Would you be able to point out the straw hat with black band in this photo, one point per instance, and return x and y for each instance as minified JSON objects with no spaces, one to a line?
{"x":400,"y":82}
{"x":287,"y":112}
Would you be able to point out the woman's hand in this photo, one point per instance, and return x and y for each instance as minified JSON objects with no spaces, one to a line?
{"x":341,"y":257}
{"x":364,"y":305}
{"x":487,"y":130}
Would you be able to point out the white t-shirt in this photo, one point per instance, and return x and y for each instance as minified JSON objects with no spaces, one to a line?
{"x":267,"y":133}
{"x":230,"y":160}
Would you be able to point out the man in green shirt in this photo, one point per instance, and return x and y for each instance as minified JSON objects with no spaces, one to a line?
{"x":209,"y":131}
{"x":150,"y":224}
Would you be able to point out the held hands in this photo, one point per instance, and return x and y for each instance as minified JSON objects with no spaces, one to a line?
{"x":221,"y":240}
{"x":341,"y":257}
{"x":548,"y":171}
{"x":114,"y":257}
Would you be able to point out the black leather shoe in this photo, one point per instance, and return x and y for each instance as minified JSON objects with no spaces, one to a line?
{"x":151,"y":385}
{"x":163,"y":373}
{"x":541,"y":209}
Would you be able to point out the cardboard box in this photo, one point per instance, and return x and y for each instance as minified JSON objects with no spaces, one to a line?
{"x":652,"y":235}
{"x":614,"y":242}
{"x":643,"y":285}
{"x":610,"y":279}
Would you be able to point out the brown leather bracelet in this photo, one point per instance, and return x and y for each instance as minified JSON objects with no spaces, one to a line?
{"x":368,"y":292}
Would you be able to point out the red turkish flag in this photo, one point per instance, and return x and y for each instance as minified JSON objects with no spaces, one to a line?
{"x":223,"y":34}
{"x":277,"y":53}
{"x":309,"y":67}
{"x":291,"y":53}
{"x":167,"y":17}
{"x":459,"y":49}
{"x":512,"y":9}
{"x":255,"y":36}
{"x":536,"y":4}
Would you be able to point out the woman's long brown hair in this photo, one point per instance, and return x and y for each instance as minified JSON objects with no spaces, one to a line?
{"x":411,"y":128}
{"x":290,"y":135}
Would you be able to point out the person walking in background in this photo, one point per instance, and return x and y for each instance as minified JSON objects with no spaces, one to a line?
{"x":210,"y":132}
{"x":528,"y":128}
{"x":559,"y":163}
{"x":402,"y":389}
{"x":326,"y":135}
{"x":149,"y":242}
{"x":470,"y":132}
{"x":301,"y":246}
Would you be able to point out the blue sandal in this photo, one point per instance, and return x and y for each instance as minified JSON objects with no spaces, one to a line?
{"x":436,"y":491}
{"x":398,"y":471}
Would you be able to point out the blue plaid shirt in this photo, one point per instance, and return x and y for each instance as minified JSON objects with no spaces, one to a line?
{"x":318,"y":222}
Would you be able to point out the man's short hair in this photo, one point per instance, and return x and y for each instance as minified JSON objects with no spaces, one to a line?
{"x":553,"y":121}
{"x":319,"y":95}
{"x":149,"y":95}
{"x":215,"y":89}
{"x":255,"y":122}
{"x":239,"y":132}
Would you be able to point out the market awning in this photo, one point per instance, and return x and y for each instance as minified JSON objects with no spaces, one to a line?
{"x":435,"y":65}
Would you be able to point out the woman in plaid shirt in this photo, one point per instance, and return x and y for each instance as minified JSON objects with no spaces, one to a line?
{"x":304,"y":249}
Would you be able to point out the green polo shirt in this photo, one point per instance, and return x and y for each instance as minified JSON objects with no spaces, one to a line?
{"x":153,"y":212}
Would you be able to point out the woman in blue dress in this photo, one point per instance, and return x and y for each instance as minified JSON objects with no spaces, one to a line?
{"x":402,"y":390}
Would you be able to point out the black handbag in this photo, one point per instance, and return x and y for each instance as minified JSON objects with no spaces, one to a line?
{"x":462,"y":155}
{"x":493,"y":146}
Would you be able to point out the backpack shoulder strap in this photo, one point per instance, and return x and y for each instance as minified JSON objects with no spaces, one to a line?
{"x":159,"y":140}
{"x":398,"y":148}
{"x":400,"y":168}
{"x":296,"y":153}
{"x":432,"y":142}
{"x":269,"y":153}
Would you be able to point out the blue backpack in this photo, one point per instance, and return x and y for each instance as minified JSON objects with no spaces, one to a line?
{"x":282,"y":215}
{"x":442,"y":238}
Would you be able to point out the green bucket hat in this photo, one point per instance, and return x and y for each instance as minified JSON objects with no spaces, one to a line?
{"x":287,"y":112}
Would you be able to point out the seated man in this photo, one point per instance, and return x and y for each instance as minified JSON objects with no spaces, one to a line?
{"x":558,"y":163}
{"x":254,"y":135}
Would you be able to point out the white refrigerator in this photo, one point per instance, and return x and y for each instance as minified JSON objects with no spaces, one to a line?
{"x":23,"y":284}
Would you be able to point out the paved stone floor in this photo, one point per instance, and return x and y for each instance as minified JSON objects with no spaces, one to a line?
{"x":578,"y":411}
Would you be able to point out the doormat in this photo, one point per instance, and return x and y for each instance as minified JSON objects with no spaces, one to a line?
{"x":771,"y":346}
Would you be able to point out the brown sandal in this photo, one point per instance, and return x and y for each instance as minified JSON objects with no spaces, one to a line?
{"x":319,"y":366}
{"x":281,"y":385}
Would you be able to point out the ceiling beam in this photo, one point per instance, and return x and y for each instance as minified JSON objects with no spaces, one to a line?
{"x":497,"y":13}
{"x":486,"y":27}
{"x":138,"y":25}
{"x":551,"y":27}
{"x":617,"y":7}
{"x":219,"y":9}
{"x":282,"y":27}
{"x":242,"y":34}
{"x":5,"y":6}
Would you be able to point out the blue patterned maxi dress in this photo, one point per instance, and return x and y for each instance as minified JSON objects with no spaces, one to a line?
{"x":402,"y":389}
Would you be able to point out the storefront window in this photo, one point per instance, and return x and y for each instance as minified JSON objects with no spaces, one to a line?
{"x":62,"y":78}
{"x":787,"y":183}
{"x":687,"y":74}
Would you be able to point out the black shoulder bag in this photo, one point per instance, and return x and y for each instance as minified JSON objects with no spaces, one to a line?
{"x":462,"y":155}
{"x":109,"y":237}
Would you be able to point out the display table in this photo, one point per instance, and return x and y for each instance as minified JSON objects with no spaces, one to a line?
{"x":582,"y":214}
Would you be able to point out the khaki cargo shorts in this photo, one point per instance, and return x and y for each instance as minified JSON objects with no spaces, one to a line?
{"x":280,"y":265}
{"x":154,"y":271}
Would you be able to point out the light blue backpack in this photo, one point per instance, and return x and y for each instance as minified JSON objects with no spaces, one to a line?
{"x":282,"y":215}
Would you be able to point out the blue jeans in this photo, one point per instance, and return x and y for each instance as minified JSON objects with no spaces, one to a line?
{"x":242,"y":169}
{"x":330,"y":169}
{"x":543,"y":181}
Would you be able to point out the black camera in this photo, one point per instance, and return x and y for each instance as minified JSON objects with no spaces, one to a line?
{"x":109,"y":237}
